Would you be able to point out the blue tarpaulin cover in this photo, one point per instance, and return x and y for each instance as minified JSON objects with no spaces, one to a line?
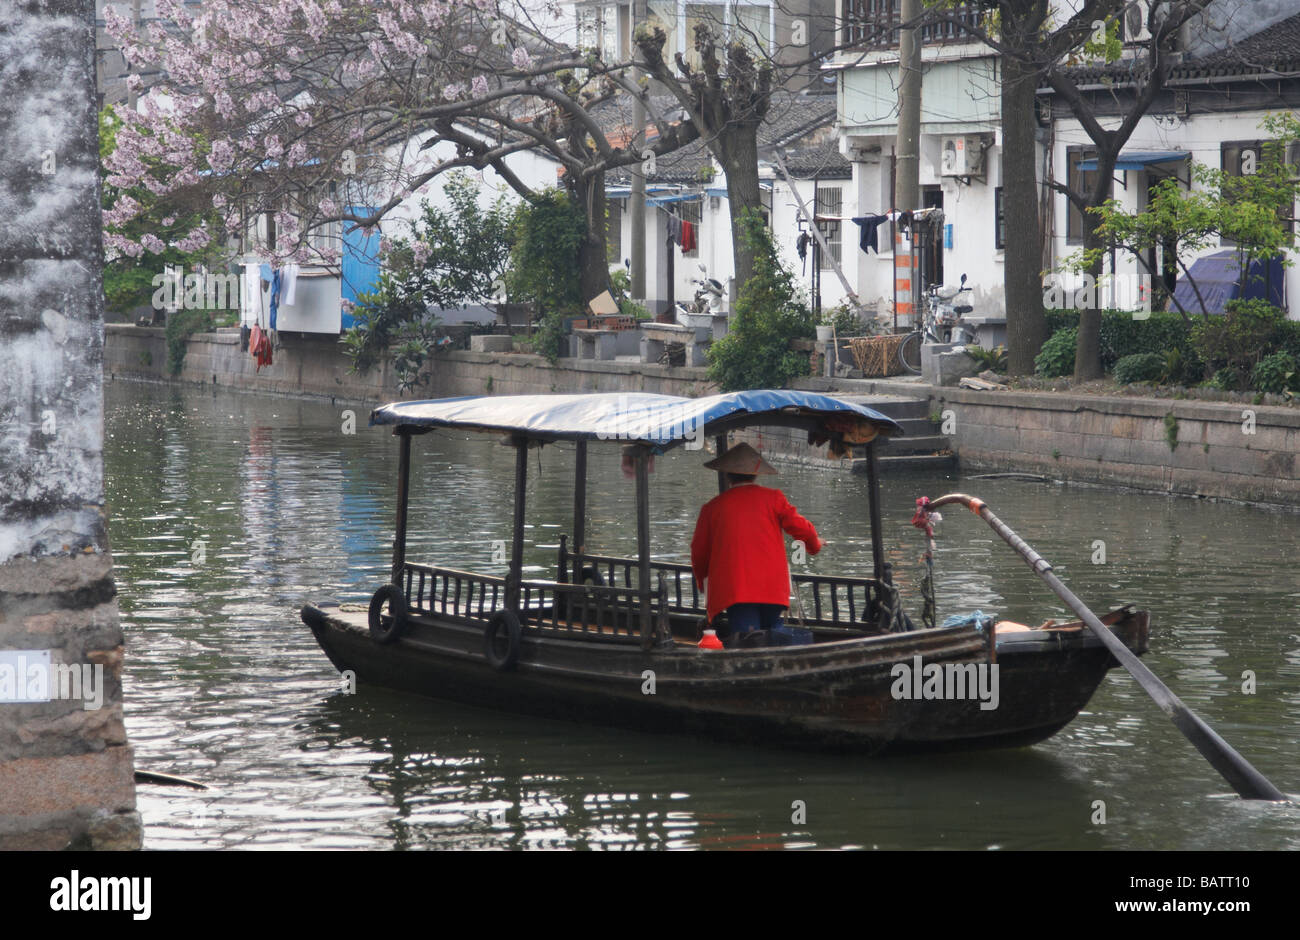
{"x":623,"y":416}
{"x":1218,"y":276}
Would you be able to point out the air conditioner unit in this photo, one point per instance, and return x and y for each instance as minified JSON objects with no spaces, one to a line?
{"x":962,"y":156}
{"x":1136,"y":17}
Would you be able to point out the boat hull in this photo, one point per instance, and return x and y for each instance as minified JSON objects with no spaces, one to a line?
{"x":846,"y":695}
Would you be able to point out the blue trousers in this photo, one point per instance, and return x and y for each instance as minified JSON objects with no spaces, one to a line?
{"x":746,"y":617}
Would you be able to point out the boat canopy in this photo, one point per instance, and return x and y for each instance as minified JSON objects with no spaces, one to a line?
{"x":660,"y":421}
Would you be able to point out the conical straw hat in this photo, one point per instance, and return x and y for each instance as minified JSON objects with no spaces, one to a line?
{"x":741,"y":459}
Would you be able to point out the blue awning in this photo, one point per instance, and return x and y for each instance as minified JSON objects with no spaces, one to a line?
{"x":628,"y":417}
{"x":678,"y":197}
{"x":1139,"y":159}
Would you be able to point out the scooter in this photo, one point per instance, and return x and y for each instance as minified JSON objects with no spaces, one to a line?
{"x":946,"y":313}
{"x":709,"y":301}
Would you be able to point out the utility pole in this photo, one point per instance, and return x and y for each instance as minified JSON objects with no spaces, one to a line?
{"x":637,"y":201}
{"x":907,"y":183}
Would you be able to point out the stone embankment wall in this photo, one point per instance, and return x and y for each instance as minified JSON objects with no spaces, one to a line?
{"x":1221,"y":450}
{"x":316,"y":366}
{"x":1195,"y":448}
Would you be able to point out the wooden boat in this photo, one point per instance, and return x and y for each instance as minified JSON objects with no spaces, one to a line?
{"x":613,"y":640}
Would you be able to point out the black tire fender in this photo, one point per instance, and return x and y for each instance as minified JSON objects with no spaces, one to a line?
{"x":592,"y":574}
{"x":502,"y":660}
{"x":386,"y":630}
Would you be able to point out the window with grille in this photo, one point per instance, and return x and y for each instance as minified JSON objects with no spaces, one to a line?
{"x":830,"y":206}
{"x":692,"y":212}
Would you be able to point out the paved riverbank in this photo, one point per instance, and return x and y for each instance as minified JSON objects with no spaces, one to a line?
{"x":1218,"y":450}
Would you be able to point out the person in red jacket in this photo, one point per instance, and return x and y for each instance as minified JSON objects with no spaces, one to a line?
{"x":738,"y":551}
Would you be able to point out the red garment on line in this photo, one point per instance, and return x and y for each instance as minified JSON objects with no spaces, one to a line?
{"x":259,"y":346}
{"x":738,"y":552}
{"x":688,"y":236}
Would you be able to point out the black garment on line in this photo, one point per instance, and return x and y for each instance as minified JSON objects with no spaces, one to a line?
{"x":869,"y":223}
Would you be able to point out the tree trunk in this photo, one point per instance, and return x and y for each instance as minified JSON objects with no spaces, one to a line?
{"x":740,"y":144}
{"x":593,"y":257}
{"x":1087,"y":353}
{"x":1022,"y":273}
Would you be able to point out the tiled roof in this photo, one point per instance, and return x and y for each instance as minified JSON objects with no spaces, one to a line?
{"x":791,"y":117}
{"x":1275,"y":48}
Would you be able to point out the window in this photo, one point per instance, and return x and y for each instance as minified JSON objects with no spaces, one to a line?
{"x":751,"y":25}
{"x":1081,"y":181}
{"x":663,"y":13}
{"x":692,"y":212}
{"x":999,"y":220}
{"x":830,"y":206}
{"x":588,"y":28}
{"x":614,"y":231}
{"x":712,"y":15}
{"x":874,"y":23}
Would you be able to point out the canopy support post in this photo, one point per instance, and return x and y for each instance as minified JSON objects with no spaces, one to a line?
{"x":403,"y":500}
{"x":720,"y":442}
{"x":516,"y":574}
{"x":641,"y":457}
{"x":580,"y":502}
{"x":873,"y":508}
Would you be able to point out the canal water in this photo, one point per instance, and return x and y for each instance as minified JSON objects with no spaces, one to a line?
{"x":229,"y":511}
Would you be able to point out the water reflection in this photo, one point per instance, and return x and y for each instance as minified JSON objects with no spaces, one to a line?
{"x":224,"y":684}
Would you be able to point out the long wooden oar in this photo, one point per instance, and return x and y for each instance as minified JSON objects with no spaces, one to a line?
{"x":1249,"y":783}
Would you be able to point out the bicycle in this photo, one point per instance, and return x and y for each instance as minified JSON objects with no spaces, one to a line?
{"x":936,"y":325}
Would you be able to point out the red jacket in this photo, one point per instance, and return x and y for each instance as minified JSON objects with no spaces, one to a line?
{"x":738,"y":552}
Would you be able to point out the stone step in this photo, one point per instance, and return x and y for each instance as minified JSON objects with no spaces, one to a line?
{"x":924,"y":444}
{"x":909,"y":462}
{"x":917,"y":427}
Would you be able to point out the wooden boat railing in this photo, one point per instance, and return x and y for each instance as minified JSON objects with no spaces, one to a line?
{"x":552,"y":608}
{"x":828,"y":600}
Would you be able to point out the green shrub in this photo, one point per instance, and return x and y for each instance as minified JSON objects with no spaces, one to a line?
{"x":993,"y":359}
{"x":547,"y":234}
{"x":1140,"y":367}
{"x":181,"y":325}
{"x":1123,"y":335}
{"x":1057,"y":355}
{"x":845,"y":321}
{"x":1226,"y":380}
{"x":1238,"y":339}
{"x":1275,"y":373}
{"x":756,"y":351}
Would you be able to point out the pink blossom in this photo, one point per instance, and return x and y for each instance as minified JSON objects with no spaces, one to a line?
{"x":521,"y":58}
{"x":153,"y":244}
{"x":479,"y":86}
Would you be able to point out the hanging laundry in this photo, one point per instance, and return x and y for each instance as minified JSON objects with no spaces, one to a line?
{"x":867,"y":240}
{"x":801,"y":246}
{"x":688,"y":236}
{"x":250,"y":301}
{"x":675,"y":229}
{"x":244,"y":333}
{"x":277,"y":283}
{"x":260,"y":347}
{"x":289,"y":285}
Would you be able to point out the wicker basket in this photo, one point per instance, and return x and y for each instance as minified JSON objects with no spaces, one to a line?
{"x":877,"y":356}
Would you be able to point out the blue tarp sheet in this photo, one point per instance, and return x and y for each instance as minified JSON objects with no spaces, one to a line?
{"x":1218,"y":276}
{"x":628,"y":417}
